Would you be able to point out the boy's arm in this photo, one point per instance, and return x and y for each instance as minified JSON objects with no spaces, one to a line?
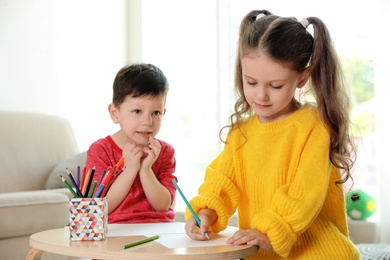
{"x":157,"y":181}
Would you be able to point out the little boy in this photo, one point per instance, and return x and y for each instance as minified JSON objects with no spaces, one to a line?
{"x":143,"y":190}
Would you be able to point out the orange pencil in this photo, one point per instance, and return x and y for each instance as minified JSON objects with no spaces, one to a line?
{"x":119,"y":162}
{"x":89,"y":181}
{"x":81,"y":184}
{"x":110,"y":176}
{"x":86,"y":180}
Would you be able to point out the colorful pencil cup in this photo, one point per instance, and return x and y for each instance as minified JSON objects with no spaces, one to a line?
{"x":88,"y":219}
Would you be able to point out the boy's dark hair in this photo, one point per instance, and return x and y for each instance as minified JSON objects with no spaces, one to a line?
{"x":138,"y":80}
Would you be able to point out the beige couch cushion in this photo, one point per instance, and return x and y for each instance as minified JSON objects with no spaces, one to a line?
{"x":21,"y":213}
{"x":27,"y":148}
{"x":54,"y":181}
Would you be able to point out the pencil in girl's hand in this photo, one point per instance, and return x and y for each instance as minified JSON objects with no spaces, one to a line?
{"x":187,"y":203}
{"x":190,"y":208}
{"x":69,"y":187}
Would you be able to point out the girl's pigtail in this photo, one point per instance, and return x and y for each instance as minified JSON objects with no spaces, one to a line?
{"x":332,"y":97}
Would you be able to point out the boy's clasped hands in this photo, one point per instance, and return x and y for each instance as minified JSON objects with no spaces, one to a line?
{"x":138,"y":157}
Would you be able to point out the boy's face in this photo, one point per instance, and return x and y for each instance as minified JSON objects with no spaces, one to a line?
{"x":139,"y":118}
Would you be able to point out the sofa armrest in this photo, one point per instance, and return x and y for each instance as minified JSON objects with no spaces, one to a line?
{"x":362,"y":231}
{"x":24,"y":213}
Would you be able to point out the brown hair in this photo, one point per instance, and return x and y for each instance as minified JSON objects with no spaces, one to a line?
{"x":286,"y":40}
{"x":137,"y":80}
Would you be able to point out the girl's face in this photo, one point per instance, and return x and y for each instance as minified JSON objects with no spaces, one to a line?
{"x":269,"y":87}
{"x":139,"y":118}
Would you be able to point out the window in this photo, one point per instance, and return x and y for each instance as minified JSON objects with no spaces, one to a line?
{"x":184,"y":44}
{"x":197,"y":53}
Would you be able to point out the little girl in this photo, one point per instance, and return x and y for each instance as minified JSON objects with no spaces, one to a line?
{"x":284,"y":161}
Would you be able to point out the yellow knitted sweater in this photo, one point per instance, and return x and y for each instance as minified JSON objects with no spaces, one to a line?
{"x":279,"y":177}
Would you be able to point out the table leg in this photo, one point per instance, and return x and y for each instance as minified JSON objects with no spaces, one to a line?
{"x":32,"y":253}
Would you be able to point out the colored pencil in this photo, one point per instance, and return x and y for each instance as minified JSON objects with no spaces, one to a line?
{"x":83,"y":178}
{"x":99,"y":191}
{"x":110,"y":176}
{"x":139,"y":242}
{"x":207,"y":234}
{"x":92,"y":189}
{"x":103,"y":174}
{"x":78,"y":191}
{"x":86,"y":180}
{"x":69,"y":187}
{"x":90,"y":181}
{"x":78,"y":176}
{"x":187,"y":203}
{"x":119,"y":162}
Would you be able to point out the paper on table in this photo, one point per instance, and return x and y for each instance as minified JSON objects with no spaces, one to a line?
{"x":183,"y":241}
{"x":147,"y":229}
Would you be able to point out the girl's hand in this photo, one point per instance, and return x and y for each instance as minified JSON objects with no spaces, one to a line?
{"x":151,"y":153}
{"x":195,"y":232}
{"x":250,"y":237}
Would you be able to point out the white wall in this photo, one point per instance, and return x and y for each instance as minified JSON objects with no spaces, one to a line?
{"x":62,"y":63}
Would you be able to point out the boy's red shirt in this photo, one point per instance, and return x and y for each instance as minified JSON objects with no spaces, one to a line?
{"x":135,"y":208}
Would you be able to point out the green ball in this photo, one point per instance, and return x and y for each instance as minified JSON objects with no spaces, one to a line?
{"x":360,"y":205}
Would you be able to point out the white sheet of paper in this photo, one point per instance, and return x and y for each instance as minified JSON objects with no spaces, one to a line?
{"x":146,"y":229}
{"x":183,"y":241}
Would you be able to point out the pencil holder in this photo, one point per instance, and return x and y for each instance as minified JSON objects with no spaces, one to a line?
{"x":88,"y":219}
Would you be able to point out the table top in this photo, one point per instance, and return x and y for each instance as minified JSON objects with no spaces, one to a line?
{"x":111,"y":247}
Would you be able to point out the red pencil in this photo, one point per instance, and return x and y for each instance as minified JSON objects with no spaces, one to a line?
{"x":110,"y":176}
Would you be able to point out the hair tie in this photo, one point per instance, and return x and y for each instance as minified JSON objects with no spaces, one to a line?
{"x":305,"y":23}
{"x":260,"y":16}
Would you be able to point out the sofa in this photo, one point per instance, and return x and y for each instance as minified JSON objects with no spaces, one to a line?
{"x":35,"y":149}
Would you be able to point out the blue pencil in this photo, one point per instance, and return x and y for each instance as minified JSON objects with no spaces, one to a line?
{"x":99,"y":191}
{"x":187,"y":203}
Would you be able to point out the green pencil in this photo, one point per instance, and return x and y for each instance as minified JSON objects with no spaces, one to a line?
{"x":139,"y":242}
{"x":69,"y":187}
{"x":92,"y":189}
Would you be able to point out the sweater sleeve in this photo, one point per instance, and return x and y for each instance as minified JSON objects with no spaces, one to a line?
{"x":218,"y":191}
{"x":296,"y":204}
